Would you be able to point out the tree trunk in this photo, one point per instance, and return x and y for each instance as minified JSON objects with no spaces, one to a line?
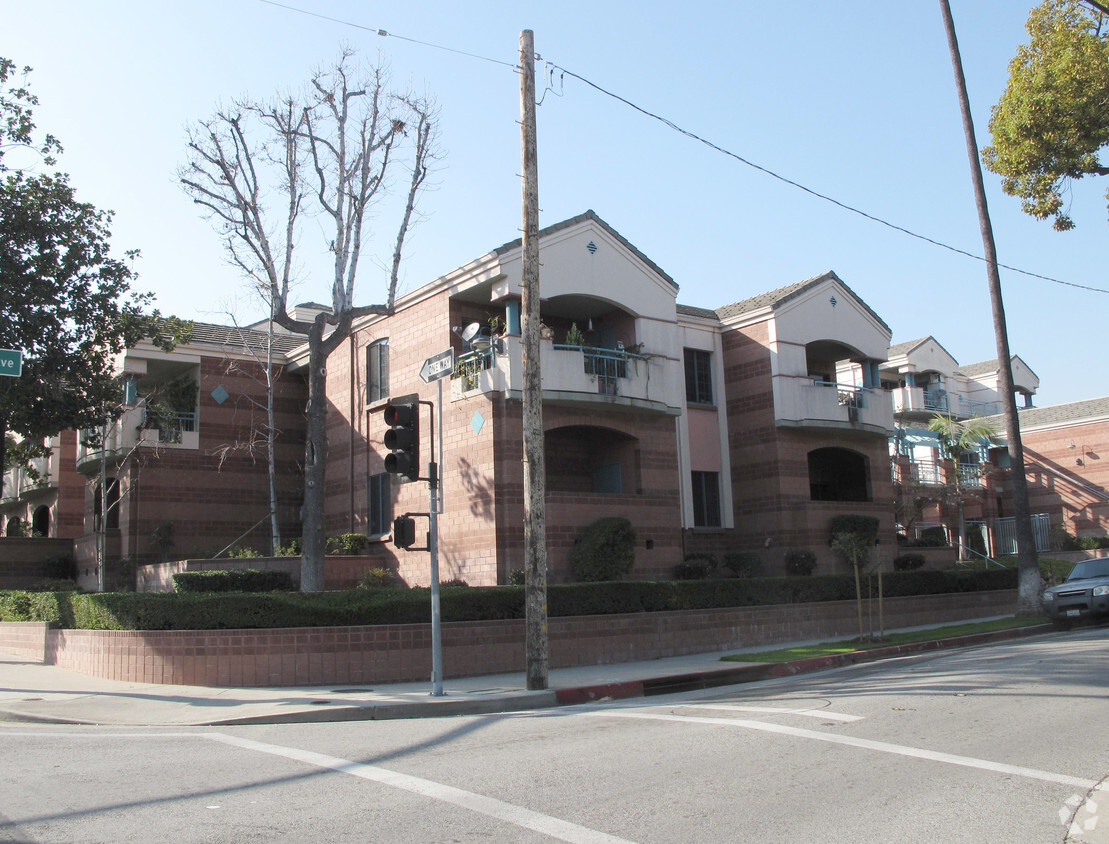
{"x":1029,"y":598}
{"x":315,"y":466}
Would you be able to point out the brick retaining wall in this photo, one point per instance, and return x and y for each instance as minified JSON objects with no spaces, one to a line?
{"x":402,"y":652}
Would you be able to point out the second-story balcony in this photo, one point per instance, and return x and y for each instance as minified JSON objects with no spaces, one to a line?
{"x":135,"y":429}
{"x":574,"y":375}
{"x":804,"y":401}
{"x":33,"y":479}
{"x":917,"y":400}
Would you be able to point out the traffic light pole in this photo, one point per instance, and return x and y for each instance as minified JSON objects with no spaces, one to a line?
{"x":433,"y":549}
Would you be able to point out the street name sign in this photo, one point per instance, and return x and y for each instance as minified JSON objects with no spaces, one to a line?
{"x":437,"y":366}
{"x":11,"y":362}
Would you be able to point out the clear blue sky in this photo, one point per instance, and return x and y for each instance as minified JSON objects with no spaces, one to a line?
{"x":853,"y":100}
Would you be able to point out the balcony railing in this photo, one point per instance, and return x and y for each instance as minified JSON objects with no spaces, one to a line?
{"x":171,"y":428}
{"x":574,"y":373}
{"x":804,"y":400}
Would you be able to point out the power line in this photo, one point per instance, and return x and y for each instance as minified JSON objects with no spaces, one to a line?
{"x":810,"y":191}
{"x":385,"y":34}
{"x":693,"y":136}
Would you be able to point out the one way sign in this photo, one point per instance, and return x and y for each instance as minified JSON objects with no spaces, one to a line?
{"x":437,"y":366}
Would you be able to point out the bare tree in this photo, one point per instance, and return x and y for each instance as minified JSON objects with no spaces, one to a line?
{"x":260,"y":169}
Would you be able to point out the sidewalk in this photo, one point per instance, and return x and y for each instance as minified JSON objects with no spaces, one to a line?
{"x":35,"y":693}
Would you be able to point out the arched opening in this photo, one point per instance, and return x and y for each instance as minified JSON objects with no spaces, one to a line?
{"x":837,"y":474}
{"x":40,"y":521}
{"x":583,"y":458}
{"x":14,"y":527}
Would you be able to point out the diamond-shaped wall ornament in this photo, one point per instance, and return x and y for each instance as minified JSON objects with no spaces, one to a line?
{"x":592,"y":247}
{"x":478,"y":422}
{"x":220,"y":395}
{"x":833,"y":301}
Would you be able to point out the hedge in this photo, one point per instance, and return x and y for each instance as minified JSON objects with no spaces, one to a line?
{"x":240,"y":610}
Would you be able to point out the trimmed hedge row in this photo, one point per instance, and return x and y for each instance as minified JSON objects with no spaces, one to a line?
{"x":240,"y":610}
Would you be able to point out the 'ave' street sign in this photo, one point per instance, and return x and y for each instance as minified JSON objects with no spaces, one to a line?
{"x":11,"y":362}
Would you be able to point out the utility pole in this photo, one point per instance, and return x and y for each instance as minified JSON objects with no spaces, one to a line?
{"x":1028,"y":565}
{"x":535,"y":518}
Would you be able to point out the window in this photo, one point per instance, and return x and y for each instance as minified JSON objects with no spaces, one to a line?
{"x":380,"y":504}
{"x":706,"y":498}
{"x":698,"y":376}
{"x":377,"y":370}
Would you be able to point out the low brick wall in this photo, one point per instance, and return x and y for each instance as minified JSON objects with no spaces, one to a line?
{"x":26,"y":639}
{"x":402,"y":652}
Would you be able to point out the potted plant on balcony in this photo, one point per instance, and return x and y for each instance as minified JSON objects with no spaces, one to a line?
{"x":575,"y":337}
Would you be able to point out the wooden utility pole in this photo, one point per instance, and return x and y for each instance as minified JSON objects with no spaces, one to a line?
{"x":535,"y":486}
{"x":1029,"y":591}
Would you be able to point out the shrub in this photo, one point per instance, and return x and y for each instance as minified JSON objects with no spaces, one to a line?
{"x":347,"y":544}
{"x":294,"y":549}
{"x":908,"y":562}
{"x":693,"y":567}
{"x":604,"y":551}
{"x":453,"y":583}
{"x":379,"y":578}
{"x":234,"y":580}
{"x":54,"y":584}
{"x":743,"y":563}
{"x":1089,"y":543}
{"x":800,"y":562}
{"x":516,"y":577}
{"x":862,"y":525}
{"x":239,"y":552}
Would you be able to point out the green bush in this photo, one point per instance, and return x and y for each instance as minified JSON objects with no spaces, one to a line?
{"x":453,"y":583}
{"x":239,"y":552}
{"x":379,"y":578}
{"x":908,"y":562}
{"x":516,"y":577}
{"x":54,"y":584}
{"x":862,"y":525}
{"x":694,"y":567}
{"x":294,"y":548}
{"x":347,"y":544}
{"x":800,"y":562}
{"x":743,"y":563}
{"x":604,"y":551}
{"x":230,"y":610}
{"x":234,"y":580}
{"x":933,"y":537}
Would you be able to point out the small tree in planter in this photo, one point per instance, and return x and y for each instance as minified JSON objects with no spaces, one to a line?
{"x":800,"y":562}
{"x":604,"y":551}
{"x":852,"y":539}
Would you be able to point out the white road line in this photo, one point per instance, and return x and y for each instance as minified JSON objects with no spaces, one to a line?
{"x":516,"y":815}
{"x":808,"y":712}
{"x":866,"y":744}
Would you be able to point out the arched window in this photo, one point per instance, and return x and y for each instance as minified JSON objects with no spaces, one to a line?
{"x":837,"y":474}
{"x":40,"y":521}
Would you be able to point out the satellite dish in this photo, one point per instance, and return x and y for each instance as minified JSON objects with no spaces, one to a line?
{"x":471,"y":331}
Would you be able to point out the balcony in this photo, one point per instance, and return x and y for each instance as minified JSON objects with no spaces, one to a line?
{"x":803,"y":401}
{"x":135,"y":429}
{"x":575,"y":375}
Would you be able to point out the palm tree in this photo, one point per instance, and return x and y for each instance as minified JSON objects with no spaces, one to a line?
{"x":956,"y":439}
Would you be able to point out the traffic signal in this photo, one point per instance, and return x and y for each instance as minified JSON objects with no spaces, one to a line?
{"x":403,"y":438}
{"x":404,"y":532}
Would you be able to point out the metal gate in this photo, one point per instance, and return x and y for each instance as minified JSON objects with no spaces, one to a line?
{"x":1005,"y":534}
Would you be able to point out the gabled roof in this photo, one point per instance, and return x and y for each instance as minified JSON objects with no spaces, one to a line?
{"x":988,"y":367}
{"x":774,"y":299}
{"x":581,"y":218}
{"x":1089,"y":410}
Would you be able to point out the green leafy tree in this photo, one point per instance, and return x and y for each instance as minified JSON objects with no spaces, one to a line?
{"x":1053,"y":118}
{"x":956,"y":440}
{"x":65,"y":302}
